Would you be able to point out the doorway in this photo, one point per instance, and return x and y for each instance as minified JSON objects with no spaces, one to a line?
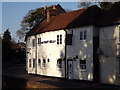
{"x":70,"y":68}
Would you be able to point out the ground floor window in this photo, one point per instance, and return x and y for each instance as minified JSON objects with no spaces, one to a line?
{"x":59,"y":63}
{"x":33,"y":63}
{"x":82,"y":64}
{"x":29,"y":62}
{"x":44,"y":63}
{"x":39,"y":62}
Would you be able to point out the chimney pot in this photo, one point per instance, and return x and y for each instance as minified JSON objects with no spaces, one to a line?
{"x":54,"y":6}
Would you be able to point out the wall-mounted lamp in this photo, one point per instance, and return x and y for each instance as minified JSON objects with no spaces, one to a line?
{"x":99,"y":51}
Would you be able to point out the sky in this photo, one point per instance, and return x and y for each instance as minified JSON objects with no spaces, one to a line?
{"x":13,"y":13}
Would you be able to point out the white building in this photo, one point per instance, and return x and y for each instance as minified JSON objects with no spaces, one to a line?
{"x":66,"y":46}
{"x":109,"y":40}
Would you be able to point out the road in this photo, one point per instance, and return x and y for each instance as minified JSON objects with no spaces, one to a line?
{"x":17,"y":77}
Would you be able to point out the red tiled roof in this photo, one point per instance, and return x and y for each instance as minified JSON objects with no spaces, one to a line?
{"x":85,"y":16}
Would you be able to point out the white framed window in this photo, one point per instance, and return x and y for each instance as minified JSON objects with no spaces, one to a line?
{"x":44,"y":63}
{"x":39,"y":62}
{"x":33,"y":63}
{"x":82,"y":64}
{"x":33,"y":42}
{"x":59,"y":64}
{"x":83,"y":35}
{"x":30,"y":63}
{"x":59,"y":39}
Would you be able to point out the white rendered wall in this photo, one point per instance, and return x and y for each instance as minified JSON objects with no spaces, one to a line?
{"x":109,"y":65}
{"x":50,"y":51}
{"x":83,"y":49}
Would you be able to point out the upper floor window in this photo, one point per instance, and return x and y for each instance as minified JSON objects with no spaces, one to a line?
{"x":69,"y":39}
{"x":83,"y":35}
{"x":33,"y":42}
{"x":82,"y":64}
{"x":59,"y":39}
{"x":39,"y":40}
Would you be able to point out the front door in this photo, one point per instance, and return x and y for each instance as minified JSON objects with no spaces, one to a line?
{"x":70,"y":69}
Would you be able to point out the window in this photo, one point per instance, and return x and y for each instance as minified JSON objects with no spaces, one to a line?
{"x":57,"y":39}
{"x":83,"y":64}
{"x":33,"y":42}
{"x":69,"y":39}
{"x":59,"y":63}
{"x":83,"y":35}
{"x":39,"y":40}
{"x":39,"y":62}
{"x":44,"y":63}
{"x":33,"y":63}
{"x":60,"y":39}
{"x":48,"y":60}
{"x":29,"y":62}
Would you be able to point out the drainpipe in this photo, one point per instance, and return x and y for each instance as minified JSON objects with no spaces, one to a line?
{"x":36,"y":54}
{"x":65,"y":54}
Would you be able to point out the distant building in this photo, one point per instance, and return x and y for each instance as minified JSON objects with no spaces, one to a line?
{"x":70,"y":45}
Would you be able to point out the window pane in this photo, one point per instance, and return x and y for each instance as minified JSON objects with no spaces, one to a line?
{"x":82,"y":61}
{"x":39,"y":62}
{"x":60,"y":39}
{"x":33,"y":62}
{"x":44,"y":62}
{"x":57,"y":39}
{"x":33,"y":42}
{"x":39,"y":40}
{"x":48,"y":60}
{"x":82,"y":64}
{"x":69,"y":39}
{"x":85,"y":35}
{"x":81,"y":36}
{"x":29,"y":62}
{"x":59,"y":63}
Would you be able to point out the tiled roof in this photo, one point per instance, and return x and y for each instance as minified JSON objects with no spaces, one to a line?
{"x":112,"y":16}
{"x":82,"y":17}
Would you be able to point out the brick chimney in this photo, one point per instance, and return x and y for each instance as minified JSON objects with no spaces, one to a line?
{"x":54,"y":6}
{"x":48,"y":15}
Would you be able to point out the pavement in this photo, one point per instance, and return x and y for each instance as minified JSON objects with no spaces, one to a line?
{"x":16,"y":76}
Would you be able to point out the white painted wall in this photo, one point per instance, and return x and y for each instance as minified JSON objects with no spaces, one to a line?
{"x":50,"y":51}
{"x":84,"y":49}
{"x":108,"y":60}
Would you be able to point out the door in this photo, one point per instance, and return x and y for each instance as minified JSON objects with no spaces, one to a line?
{"x":70,"y":69}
